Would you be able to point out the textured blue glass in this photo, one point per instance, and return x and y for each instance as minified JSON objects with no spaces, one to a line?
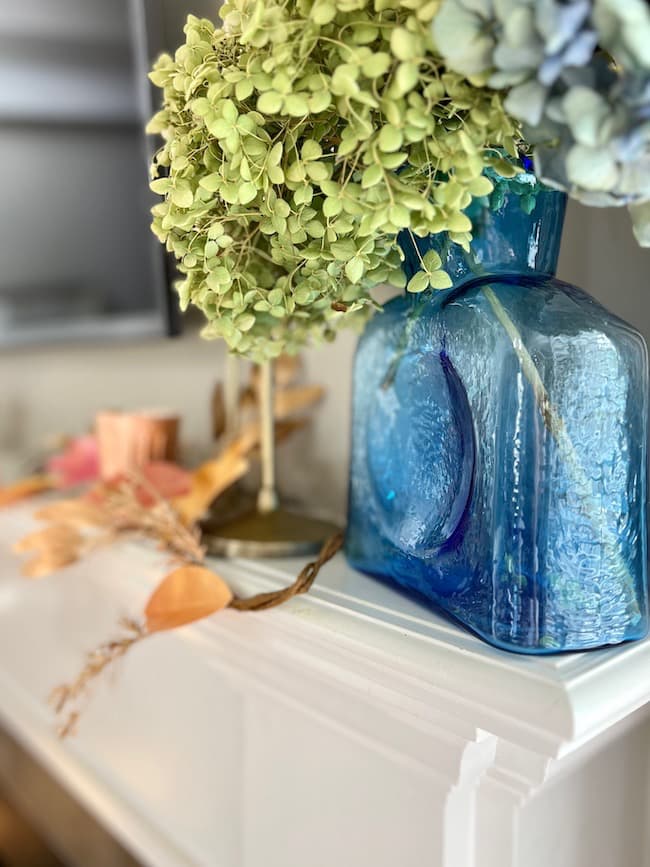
{"x":499,"y":444}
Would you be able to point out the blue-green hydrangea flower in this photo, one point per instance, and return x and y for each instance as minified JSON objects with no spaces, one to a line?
{"x":588,"y":117}
{"x":596,"y":141}
{"x":524,"y":45}
{"x":624,"y":30}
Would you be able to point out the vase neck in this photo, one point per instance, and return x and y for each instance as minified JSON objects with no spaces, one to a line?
{"x":517,"y":236}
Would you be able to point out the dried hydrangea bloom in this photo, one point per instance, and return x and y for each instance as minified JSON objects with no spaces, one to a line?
{"x":299,"y":139}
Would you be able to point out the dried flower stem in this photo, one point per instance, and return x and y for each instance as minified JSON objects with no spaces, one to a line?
{"x":554,"y":423}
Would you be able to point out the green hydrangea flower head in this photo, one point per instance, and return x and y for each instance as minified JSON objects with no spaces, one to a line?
{"x":299,"y":138}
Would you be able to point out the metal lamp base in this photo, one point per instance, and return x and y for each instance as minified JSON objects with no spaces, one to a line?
{"x":238,"y":528}
{"x":280,"y":533}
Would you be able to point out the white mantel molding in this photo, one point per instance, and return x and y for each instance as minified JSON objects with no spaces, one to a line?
{"x":350,"y":727}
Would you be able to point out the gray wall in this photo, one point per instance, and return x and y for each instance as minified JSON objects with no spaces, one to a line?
{"x":175,"y":12}
{"x":600,"y":254}
{"x":75,"y":240}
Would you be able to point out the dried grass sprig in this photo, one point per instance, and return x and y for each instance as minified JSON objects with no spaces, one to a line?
{"x":158,"y":520}
{"x":66,"y":699}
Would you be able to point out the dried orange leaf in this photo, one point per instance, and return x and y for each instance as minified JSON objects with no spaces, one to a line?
{"x":218,"y":411}
{"x":289,"y":401}
{"x":185,"y":595}
{"x":78,"y":513}
{"x":284,"y":429}
{"x":247,"y":398}
{"x":286,"y":369}
{"x":209,"y":481}
{"x":247,"y":440}
{"x":24,"y":488}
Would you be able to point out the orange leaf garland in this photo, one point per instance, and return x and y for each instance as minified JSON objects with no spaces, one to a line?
{"x":24,"y":488}
{"x":185,"y":595}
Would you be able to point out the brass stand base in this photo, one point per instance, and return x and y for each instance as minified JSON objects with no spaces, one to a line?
{"x":277,"y":534}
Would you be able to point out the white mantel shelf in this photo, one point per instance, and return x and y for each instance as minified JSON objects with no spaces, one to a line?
{"x":349,"y":728}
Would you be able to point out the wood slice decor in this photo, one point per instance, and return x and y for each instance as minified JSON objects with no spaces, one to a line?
{"x":130,"y":440}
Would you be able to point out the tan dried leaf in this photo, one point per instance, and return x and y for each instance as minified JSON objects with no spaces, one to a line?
{"x":286,"y":369}
{"x":76,"y":513}
{"x":218,"y":411}
{"x":247,"y":399}
{"x":49,"y":562}
{"x":56,"y":546}
{"x":247,"y":440}
{"x":210,"y":480}
{"x":290,"y":401}
{"x":56,"y":535}
{"x":185,"y":595}
{"x":284,"y":429}
{"x":24,"y":488}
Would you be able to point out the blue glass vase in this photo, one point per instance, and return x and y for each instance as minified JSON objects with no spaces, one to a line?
{"x":499,"y":442}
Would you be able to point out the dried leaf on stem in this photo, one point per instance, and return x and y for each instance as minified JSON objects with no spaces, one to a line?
{"x":24,"y":488}
{"x":187,"y":594}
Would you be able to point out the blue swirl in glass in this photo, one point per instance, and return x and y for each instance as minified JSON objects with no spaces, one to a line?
{"x":499,"y":442}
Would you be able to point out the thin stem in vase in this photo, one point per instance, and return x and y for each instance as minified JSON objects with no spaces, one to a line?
{"x":231,"y":395}
{"x":555,"y":425}
{"x":267,"y":500}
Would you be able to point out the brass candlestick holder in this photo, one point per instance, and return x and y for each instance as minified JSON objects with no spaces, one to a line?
{"x":260,"y":527}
